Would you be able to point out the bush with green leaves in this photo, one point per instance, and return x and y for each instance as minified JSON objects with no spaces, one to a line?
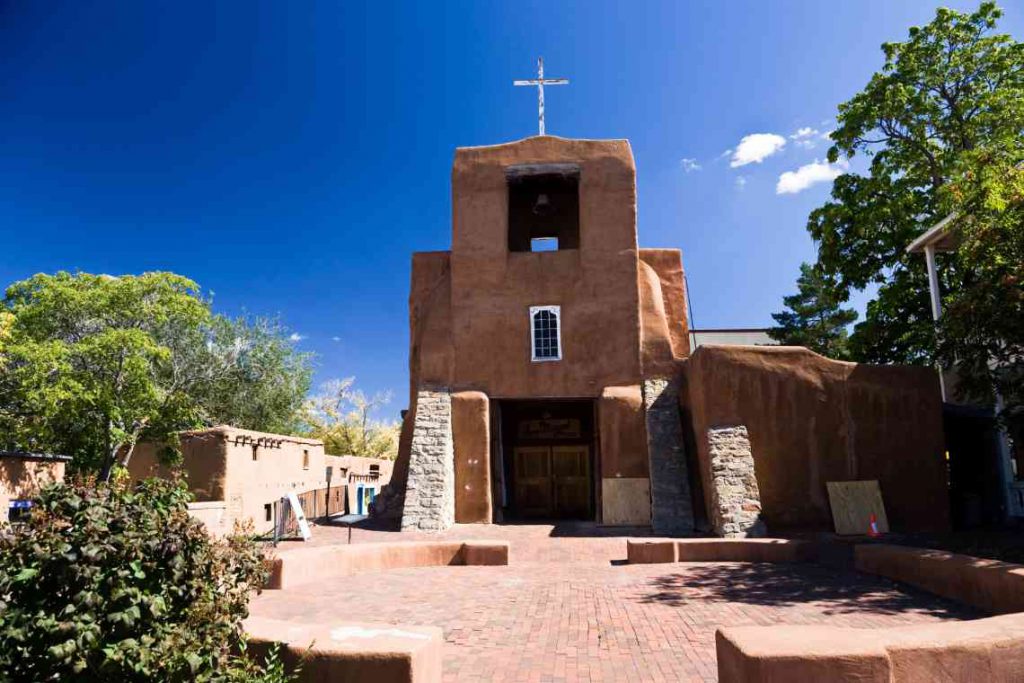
{"x":108,"y":582}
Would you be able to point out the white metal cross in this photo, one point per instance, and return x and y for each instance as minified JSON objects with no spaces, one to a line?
{"x":540,"y":82}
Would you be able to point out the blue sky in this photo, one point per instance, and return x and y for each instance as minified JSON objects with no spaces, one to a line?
{"x":291,"y":156}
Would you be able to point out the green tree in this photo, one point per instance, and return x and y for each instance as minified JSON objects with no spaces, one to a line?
{"x":815,"y":318}
{"x":85,"y":367}
{"x":107,"y":583}
{"x":339,"y":415}
{"x":264,"y":381}
{"x":91,"y":364}
{"x":953,"y":86}
{"x":982,"y":325}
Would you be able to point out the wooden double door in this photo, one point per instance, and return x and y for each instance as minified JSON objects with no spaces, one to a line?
{"x":552,"y":481}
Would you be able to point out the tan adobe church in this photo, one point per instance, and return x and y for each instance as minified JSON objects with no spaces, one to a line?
{"x":551,"y":375}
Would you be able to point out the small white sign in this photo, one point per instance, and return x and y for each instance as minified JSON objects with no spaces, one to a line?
{"x":293,"y":500}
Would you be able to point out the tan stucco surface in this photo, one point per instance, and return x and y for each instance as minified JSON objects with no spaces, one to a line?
{"x":664,"y":328}
{"x":471,"y":432}
{"x":347,"y":652}
{"x":595,"y":285}
{"x":812,"y":420}
{"x":993,"y":586}
{"x":202,"y":462}
{"x":977,"y":651}
{"x":21,"y":479}
{"x":623,"y":436}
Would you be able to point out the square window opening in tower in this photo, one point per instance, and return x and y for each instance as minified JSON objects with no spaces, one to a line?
{"x":543,"y":209}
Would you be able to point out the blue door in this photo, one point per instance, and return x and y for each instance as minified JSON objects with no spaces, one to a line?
{"x":364,"y":496}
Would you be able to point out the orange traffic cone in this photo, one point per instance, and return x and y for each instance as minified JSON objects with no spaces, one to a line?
{"x":873,"y":528}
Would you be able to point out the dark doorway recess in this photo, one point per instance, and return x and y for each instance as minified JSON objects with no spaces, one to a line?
{"x":546,"y":454}
{"x":975,"y":480}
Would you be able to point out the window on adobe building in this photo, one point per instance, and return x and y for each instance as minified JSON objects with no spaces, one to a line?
{"x":543,"y":208}
{"x":255,"y":453}
{"x":268,"y":512}
{"x":19,"y":511}
{"x":545,"y":333}
{"x":305,"y":459}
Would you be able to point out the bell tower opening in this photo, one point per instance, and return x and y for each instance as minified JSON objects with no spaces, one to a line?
{"x":543,"y":208}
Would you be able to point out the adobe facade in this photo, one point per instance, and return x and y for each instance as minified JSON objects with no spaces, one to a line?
{"x":551,"y":378}
{"x":22,"y":475}
{"x":239,"y":475}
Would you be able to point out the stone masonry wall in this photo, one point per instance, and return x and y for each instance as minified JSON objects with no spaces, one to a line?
{"x":430,"y":489}
{"x":671,"y":502}
{"x":735,"y":500}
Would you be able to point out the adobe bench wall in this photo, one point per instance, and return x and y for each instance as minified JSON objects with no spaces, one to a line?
{"x":979,"y":650}
{"x":308,"y":565}
{"x":656,"y":551}
{"x":351,"y":652}
{"x":990,"y":585}
{"x":982,"y":651}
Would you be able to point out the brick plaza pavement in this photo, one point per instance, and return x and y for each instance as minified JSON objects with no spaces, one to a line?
{"x":566,"y":609}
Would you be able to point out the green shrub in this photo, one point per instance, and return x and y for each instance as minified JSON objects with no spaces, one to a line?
{"x":110,"y":583}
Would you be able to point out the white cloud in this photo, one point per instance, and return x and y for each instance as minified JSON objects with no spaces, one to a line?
{"x":741,"y":182}
{"x":337,"y":339}
{"x":755,"y":148}
{"x":296,"y":337}
{"x":806,"y":137}
{"x":816,"y":172}
{"x":689,"y":165}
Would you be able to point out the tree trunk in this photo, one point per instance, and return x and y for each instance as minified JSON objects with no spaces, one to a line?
{"x":130,"y":453}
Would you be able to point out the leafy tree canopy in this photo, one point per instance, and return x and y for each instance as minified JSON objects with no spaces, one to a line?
{"x":89,"y":364}
{"x":982,"y":325}
{"x":952,"y":87}
{"x":815,"y":318}
{"x":339,"y":415}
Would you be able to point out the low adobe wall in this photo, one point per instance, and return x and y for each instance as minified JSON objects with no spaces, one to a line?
{"x":325,"y":563}
{"x":989,"y":649}
{"x":655,"y":551}
{"x":350,"y":652}
{"x":990,"y":585}
{"x":811,"y":420}
{"x":979,"y":651}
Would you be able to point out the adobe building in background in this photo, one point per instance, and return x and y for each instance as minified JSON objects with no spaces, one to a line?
{"x":22,"y":475}
{"x":238,"y":475}
{"x":551,"y":378}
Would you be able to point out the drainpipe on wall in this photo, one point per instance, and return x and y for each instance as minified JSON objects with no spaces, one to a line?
{"x":936,"y":298}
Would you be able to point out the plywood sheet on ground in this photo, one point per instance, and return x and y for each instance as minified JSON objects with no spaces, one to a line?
{"x":853,"y":503}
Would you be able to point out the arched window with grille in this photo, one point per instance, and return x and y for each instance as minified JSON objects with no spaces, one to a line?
{"x":546,"y":333}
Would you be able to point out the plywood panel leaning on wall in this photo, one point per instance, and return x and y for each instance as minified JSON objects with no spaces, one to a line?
{"x":854,"y":503}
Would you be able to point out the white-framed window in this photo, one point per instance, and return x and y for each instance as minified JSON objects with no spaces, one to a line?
{"x":545,"y":333}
